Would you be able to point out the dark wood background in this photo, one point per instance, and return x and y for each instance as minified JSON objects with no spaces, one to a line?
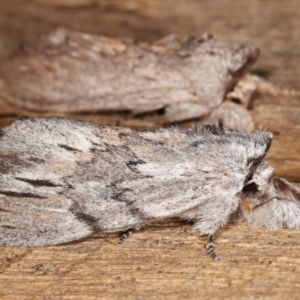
{"x":168,"y":260}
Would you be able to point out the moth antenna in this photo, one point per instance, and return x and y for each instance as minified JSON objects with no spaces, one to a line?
{"x":268,"y":200}
{"x":126,"y":235}
{"x":210,"y":247}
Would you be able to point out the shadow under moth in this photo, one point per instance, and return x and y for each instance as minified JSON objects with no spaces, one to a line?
{"x":62,"y":180}
{"x":74,"y":72}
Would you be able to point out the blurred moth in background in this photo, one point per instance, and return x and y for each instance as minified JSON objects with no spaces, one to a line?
{"x":62,"y":180}
{"x":69,"y":72}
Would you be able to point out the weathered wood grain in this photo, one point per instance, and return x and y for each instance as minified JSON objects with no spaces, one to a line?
{"x":168,"y":261}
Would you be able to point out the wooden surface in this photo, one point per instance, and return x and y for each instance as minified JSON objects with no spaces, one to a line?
{"x":168,"y":260}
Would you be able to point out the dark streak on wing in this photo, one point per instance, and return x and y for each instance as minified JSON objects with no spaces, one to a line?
{"x":9,"y":161}
{"x":38,"y":182}
{"x":88,"y":219}
{"x":68,"y":148}
{"x":36,"y":160}
{"x":140,"y":138}
{"x":131,"y":164}
{"x":109,"y":148}
{"x":21,"y":195}
{"x":137,"y":212}
{"x":121,"y":134}
{"x":120,"y":197}
{"x":8,"y":227}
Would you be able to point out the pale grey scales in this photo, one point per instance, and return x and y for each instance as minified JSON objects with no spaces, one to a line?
{"x":61,"y":180}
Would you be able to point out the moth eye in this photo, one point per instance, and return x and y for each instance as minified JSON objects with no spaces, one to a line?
{"x":251,"y":187}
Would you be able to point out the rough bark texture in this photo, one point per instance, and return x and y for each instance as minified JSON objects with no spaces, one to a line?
{"x":166,"y":261}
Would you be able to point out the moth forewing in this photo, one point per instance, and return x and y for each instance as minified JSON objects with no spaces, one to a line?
{"x":75,"y":72}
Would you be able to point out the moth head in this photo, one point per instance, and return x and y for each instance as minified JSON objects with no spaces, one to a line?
{"x":236,"y":58}
{"x":241,"y":59}
{"x":277,"y":205}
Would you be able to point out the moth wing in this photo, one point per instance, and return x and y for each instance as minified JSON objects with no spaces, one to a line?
{"x":63,"y":179}
{"x":27,"y":220}
{"x":37,"y":162}
{"x":155,"y":75}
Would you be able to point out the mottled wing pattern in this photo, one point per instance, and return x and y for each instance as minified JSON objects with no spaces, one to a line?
{"x":73,"y":71}
{"x":63,"y":179}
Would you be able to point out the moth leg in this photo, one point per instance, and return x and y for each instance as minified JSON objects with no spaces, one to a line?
{"x":210,"y":247}
{"x":126,"y":234}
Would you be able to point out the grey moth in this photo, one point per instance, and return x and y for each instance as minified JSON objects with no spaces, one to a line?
{"x":62,"y":180}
